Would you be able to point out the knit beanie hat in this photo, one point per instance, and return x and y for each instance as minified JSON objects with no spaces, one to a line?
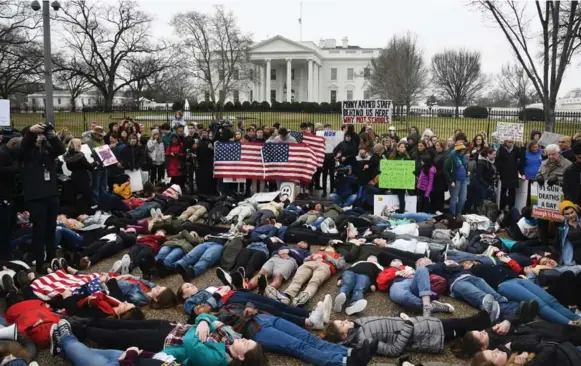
{"x":568,"y":204}
{"x":173,"y":191}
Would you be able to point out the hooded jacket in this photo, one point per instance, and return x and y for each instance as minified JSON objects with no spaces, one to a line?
{"x":156,"y":152}
{"x":485,"y":172}
{"x":183,"y":240}
{"x":9,"y":169}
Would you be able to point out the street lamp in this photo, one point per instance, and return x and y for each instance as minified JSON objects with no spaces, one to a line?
{"x":48,"y":106}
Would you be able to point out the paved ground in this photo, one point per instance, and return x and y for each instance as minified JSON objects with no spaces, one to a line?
{"x":379,"y":304}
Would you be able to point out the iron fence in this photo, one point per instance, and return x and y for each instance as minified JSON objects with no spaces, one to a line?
{"x":440,"y":120}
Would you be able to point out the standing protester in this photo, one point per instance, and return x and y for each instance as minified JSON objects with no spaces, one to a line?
{"x":205,"y":181}
{"x":507,"y":163}
{"x":566,"y":150}
{"x":572,"y":178}
{"x":81,"y":171}
{"x":9,"y":169}
{"x":175,"y":157}
{"x":39,"y":150}
{"x":437,"y":198}
{"x":156,"y":152}
{"x":456,"y":173}
{"x":99,"y":176}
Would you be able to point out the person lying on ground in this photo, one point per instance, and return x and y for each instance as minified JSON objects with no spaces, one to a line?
{"x":204,"y":256}
{"x":354,"y":282}
{"x":411,"y":288}
{"x":248,"y":262}
{"x":531,"y":352}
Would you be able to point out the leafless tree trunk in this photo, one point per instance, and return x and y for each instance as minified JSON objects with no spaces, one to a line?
{"x":514,"y":81}
{"x":75,"y":85}
{"x":216,"y":51}
{"x":456,"y":75}
{"x":101,"y":40}
{"x":399,"y":73}
{"x":556,"y":26}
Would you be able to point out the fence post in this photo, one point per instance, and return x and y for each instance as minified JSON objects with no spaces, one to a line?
{"x":85,"y":127}
{"x":488,"y":127}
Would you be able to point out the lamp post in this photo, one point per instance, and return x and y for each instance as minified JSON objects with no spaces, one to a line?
{"x":48,"y":89}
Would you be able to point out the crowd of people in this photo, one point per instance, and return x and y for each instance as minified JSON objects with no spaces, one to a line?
{"x":270,"y":258}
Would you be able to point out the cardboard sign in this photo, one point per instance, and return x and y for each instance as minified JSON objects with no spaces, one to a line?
{"x":135,"y":179}
{"x":366,"y":111}
{"x":106,"y":155}
{"x":85,"y":149}
{"x":265,"y":196}
{"x":545,"y":200}
{"x":397,"y":174}
{"x":288,"y":189}
{"x":380,"y":202}
{"x":4,"y":112}
{"x":332,"y":139}
{"x":548,"y":138}
{"x":510,"y":131}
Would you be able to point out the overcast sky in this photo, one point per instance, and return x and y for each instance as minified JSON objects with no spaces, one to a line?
{"x":437,"y":24}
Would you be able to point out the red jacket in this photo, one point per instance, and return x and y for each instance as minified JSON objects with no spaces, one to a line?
{"x":154,"y":241}
{"x":386,"y":277}
{"x":174,"y":162}
{"x":334,"y":260}
{"x":26,"y":314}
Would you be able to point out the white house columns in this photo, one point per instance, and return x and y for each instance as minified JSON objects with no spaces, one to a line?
{"x":289,"y":79}
{"x":316,"y":83}
{"x":267,"y":81}
{"x":310,"y":83}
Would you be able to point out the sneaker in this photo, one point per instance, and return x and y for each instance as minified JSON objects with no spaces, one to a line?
{"x":274,"y":294}
{"x":262,"y":283}
{"x":442,"y":307}
{"x":405,"y":317}
{"x":327,"y":307}
{"x":55,"y":265}
{"x":159,"y":213}
{"x":576,"y":323}
{"x":8,"y":283}
{"x":186,"y":273}
{"x":64,"y":328}
{"x":22,"y":279}
{"x":427,"y":311}
{"x":491,"y":306}
{"x":237,"y":281}
{"x":63,"y":263}
{"x":116,"y":267}
{"x":55,"y":340}
{"x":339,"y":302}
{"x":356,"y":307}
{"x":153,"y":213}
{"x":241,"y":271}
{"x":224,"y":277}
{"x":528,"y":311}
{"x":125,"y":263}
{"x":317,"y":320}
{"x":301,"y":298}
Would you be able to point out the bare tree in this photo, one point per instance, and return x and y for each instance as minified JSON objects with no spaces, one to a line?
{"x":456,"y":75}
{"x":18,"y":23}
{"x":101,"y":41}
{"x":399,"y":73}
{"x":556,"y":25}
{"x":515,"y":82}
{"x":74,"y":84}
{"x":216,"y":50}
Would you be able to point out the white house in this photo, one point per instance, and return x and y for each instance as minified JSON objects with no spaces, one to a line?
{"x":62,"y":100}
{"x":287,"y":70}
{"x":151,"y":105}
{"x":571,"y":101}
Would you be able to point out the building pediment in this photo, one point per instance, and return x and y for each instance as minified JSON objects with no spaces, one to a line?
{"x":280,"y":44}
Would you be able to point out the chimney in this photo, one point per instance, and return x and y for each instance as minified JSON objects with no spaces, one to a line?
{"x":330,"y":43}
{"x":345,"y":42}
{"x":322,"y":43}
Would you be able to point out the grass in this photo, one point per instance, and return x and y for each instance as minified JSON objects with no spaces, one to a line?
{"x":444,"y":127}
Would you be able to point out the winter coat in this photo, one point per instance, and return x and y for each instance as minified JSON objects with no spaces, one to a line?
{"x":426,"y":181}
{"x":397,"y":336}
{"x":183,"y":240}
{"x":451,"y":167}
{"x":132,"y":157}
{"x":9,"y":169}
{"x":26,"y":314}
{"x":153,"y":241}
{"x":80,"y":168}
{"x":571,"y":183}
{"x":333,"y":211}
{"x":122,"y":190}
{"x":439,"y":179}
{"x":174,"y":162}
{"x":156,"y":152}
{"x":530,"y":164}
{"x":507,"y":164}
{"x":485,"y":172}
{"x":551,"y":170}
{"x":276,"y":208}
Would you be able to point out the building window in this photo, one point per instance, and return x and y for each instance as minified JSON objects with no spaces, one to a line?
{"x":273,"y":96}
{"x":272,"y":74}
{"x":251,"y":96}
{"x":251,"y":74}
{"x":349,"y":74}
{"x":366,"y":95}
{"x":206,"y":97}
{"x":367,"y":73}
{"x":333,"y":74}
{"x":236,"y":94}
{"x":292,"y":74}
{"x":59,"y":101}
{"x":235,"y":74}
{"x":333,"y":96}
{"x":349,"y":94}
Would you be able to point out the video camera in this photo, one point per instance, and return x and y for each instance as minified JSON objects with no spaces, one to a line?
{"x":342,"y":170}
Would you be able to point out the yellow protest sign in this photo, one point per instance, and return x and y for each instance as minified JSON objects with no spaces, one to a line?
{"x":397,"y":174}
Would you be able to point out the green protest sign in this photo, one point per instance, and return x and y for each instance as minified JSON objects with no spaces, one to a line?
{"x":397,"y":174}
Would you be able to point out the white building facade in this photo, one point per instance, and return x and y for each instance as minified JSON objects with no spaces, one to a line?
{"x":62,"y":100}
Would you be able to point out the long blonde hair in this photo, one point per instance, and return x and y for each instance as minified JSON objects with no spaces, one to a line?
{"x":75,"y":145}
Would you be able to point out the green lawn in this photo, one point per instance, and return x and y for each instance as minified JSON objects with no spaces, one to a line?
{"x":442,"y":126}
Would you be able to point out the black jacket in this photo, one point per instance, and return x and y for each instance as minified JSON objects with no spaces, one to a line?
{"x":80,"y":169}
{"x":485,"y":172}
{"x":507,"y":164}
{"x":572,"y":183}
{"x":132,"y":157}
{"x":39,"y":166}
{"x":9,"y":170}
{"x":493,"y":274}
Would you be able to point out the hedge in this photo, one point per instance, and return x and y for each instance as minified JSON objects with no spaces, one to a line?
{"x":532,"y":114}
{"x":476,"y":111}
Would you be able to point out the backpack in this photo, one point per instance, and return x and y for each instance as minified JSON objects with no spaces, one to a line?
{"x":232,"y":248}
{"x":489,"y":209}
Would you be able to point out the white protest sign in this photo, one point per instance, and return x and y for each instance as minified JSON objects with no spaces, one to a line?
{"x":85,"y":149}
{"x":545,"y":200}
{"x":265,"y":196}
{"x":106,"y":155}
{"x":380,"y":202}
{"x":66,"y":170}
{"x":135,"y":179}
{"x":510,"y":131}
{"x":287,"y":189}
{"x":4,"y":112}
{"x":332,"y":139}
{"x":548,"y":138}
{"x":366,"y":111}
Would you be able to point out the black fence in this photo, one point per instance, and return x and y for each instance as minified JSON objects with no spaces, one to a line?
{"x":441,"y":120}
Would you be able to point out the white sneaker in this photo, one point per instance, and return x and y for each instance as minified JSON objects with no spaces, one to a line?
{"x":125,"y":262}
{"x":357,"y":307}
{"x":317,"y":320}
{"x":339,"y":302}
{"x":442,"y":307}
{"x":116,"y":267}
{"x":327,"y":308}
{"x":491,"y":306}
{"x":159,"y":213}
{"x":465,"y":229}
{"x":153,"y":213}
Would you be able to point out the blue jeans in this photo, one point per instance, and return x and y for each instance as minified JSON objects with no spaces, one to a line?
{"x":99,"y":184}
{"x":417,"y":217}
{"x":202,"y":257}
{"x":143,"y":210}
{"x":354,"y":285}
{"x":293,"y":314}
{"x":408,"y":292}
{"x":343,"y":202}
{"x":281,"y":336}
{"x":79,"y":354}
{"x":317,"y":223}
{"x":16,"y":362}
{"x":472,"y":289}
{"x":549,"y":308}
{"x":458,"y":197}
{"x":68,"y":238}
{"x":170,"y":255}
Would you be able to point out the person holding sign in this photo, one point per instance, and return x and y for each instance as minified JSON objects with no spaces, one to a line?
{"x":456,"y":173}
{"x":570,"y":234}
{"x":81,"y":170}
{"x":572,"y":178}
{"x":400,"y":154}
{"x":507,"y":164}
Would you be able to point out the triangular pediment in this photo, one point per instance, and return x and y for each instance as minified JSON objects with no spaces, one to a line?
{"x":279,"y":44}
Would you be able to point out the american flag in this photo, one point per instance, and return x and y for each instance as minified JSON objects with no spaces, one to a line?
{"x":316,"y":142}
{"x":250,"y":160}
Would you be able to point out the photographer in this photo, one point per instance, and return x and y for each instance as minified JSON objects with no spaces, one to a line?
{"x":223,"y":131}
{"x":9,"y":170}
{"x":39,"y":150}
{"x":345,"y":184}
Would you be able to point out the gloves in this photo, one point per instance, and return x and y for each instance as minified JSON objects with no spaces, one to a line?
{"x":553,"y":181}
{"x":541,"y":180}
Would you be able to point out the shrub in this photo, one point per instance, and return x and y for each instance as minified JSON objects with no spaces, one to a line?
{"x":246,"y":105}
{"x":532,"y":114}
{"x":337,"y":107}
{"x":325,"y":107}
{"x":194,"y":105}
{"x":229,"y":106}
{"x":237,"y":106}
{"x":178,"y":105}
{"x":203,"y":106}
{"x":265,"y":106}
{"x":211,"y":106}
{"x":475,"y":111}
{"x":276,"y":106}
{"x":295,"y":107}
{"x":447,"y":114}
{"x":256,"y":105}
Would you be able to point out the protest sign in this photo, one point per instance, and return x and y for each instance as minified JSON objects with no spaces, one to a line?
{"x":548,"y":138}
{"x":366,"y":111}
{"x":510,"y":131}
{"x":135,"y":179}
{"x":397,"y":174}
{"x":545,"y":200}
{"x":85,"y":149}
{"x":265,"y":196}
{"x":332,"y":139}
{"x":106,"y":155}
{"x":4,"y":112}
{"x":391,"y":202}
